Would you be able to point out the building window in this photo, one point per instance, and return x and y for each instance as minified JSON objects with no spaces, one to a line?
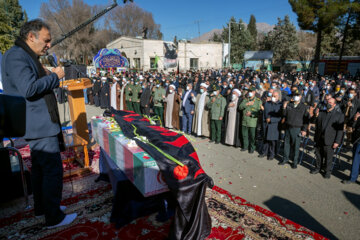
{"x":153,"y":64}
{"x":137,"y":63}
{"x":194,"y":63}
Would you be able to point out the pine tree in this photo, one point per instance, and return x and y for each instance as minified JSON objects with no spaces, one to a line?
{"x":253,"y":31}
{"x":283,"y":41}
{"x":12,"y":17}
{"x":319,"y":16}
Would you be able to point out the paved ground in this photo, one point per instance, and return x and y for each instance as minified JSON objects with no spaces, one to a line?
{"x":325,"y":206}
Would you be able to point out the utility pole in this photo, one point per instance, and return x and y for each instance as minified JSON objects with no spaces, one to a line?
{"x":198,"y":25}
{"x":229,"y":42}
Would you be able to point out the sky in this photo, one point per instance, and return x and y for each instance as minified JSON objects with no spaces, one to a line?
{"x":179,"y":18}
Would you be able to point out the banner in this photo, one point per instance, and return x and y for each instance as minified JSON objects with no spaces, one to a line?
{"x":170,"y":55}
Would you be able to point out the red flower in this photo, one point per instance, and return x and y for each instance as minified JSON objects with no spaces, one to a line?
{"x":181,"y":172}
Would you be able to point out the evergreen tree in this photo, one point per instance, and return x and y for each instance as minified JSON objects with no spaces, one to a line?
{"x":319,"y":16}
{"x":253,"y":31}
{"x":12,"y":17}
{"x":283,"y":41}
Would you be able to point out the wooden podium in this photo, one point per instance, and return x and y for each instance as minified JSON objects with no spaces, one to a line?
{"x":76,"y":100}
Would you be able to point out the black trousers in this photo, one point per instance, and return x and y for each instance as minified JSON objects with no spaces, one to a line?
{"x":324,"y":156}
{"x":269,"y":148}
{"x":145,"y":111}
{"x":47,"y":178}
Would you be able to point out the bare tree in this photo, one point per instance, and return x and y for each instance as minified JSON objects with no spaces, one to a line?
{"x":307,"y":44}
{"x":62,"y":18}
{"x":130,"y":20}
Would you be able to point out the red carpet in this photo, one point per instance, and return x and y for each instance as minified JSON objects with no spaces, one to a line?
{"x":232,"y":217}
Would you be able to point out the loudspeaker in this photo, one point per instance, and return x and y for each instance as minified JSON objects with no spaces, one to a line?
{"x":75,"y":71}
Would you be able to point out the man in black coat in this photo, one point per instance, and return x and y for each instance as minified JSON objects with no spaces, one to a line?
{"x":308,"y":97}
{"x":105,"y":94}
{"x":24,"y":75}
{"x":145,"y":99}
{"x":328,"y":136}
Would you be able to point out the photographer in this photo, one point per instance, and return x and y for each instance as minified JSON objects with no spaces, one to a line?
{"x":23,"y":75}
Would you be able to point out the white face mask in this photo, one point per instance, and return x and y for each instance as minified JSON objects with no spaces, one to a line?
{"x":187,"y":88}
{"x":157,"y":85}
{"x":273,"y":99}
{"x":215,"y":93}
{"x":151,"y":81}
{"x":297,"y":98}
{"x":202,"y":90}
{"x":251,"y":94}
{"x":233,"y":97}
{"x":171,"y":91}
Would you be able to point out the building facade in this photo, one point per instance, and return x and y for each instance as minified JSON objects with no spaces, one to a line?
{"x":149,"y":54}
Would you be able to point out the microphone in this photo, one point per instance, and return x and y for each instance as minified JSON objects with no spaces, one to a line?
{"x":52,"y":61}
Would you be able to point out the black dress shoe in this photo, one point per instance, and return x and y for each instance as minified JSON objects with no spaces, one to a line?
{"x":270,"y":158}
{"x":251,"y":151}
{"x":217,"y":142}
{"x":243,"y":150}
{"x":282,"y":163}
{"x":327,"y":175}
{"x":347,"y":181}
{"x":294,"y":166}
{"x":211,"y":141}
{"x":261,"y":155}
{"x":315,"y":171}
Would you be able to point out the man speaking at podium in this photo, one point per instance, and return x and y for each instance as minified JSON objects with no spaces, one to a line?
{"x":23,"y":75}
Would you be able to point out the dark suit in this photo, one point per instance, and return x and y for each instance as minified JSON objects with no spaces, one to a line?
{"x":145,"y":101}
{"x":329,"y":130}
{"x":20,"y":77}
{"x":187,"y":107}
{"x":308,"y":98}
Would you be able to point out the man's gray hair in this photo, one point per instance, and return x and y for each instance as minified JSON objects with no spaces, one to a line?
{"x":33,"y":26}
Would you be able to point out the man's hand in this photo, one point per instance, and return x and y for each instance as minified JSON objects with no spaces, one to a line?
{"x":335,"y":145}
{"x":192,"y":95}
{"x":248,"y":114}
{"x":213,"y":99}
{"x":268,"y":120}
{"x":349,"y":104}
{"x":317,"y":112}
{"x":192,"y":112}
{"x":231,"y":104}
{"x":59,"y":72}
{"x":357,"y":115}
{"x":303,"y":133}
{"x":285,"y":104}
{"x":262,"y":108}
{"x":220,"y":118}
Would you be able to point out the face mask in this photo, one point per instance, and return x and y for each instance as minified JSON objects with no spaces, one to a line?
{"x":328,"y":106}
{"x":202,"y":90}
{"x":143,"y":87}
{"x":166,"y":84}
{"x":233,"y":97}
{"x":230,"y":85}
{"x":342,"y":91}
{"x":297,"y":98}
{"x":157,"y":85}
{"x":282,"y":85}
{"x":301,"y":83}
{"x":273,"y":99}
{"x":272,"y":87}
{"x":353,"y":87}
{"x":351,"y":95}
{"x":215,"y":93}
{"x":187,"y":88}
{"x":337,"y":89}
{"x":136,"y":83}
{"x":306,"y":88}
{"x":251,"y":94}
{"x":151,"y":81}
{"x":171,"y":91}
{"x":269,"y":94}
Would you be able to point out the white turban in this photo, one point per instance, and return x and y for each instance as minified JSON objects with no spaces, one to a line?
{"x":204,"y":85}
{"x":103,"y":78}
{"x":173,"y":86}
{"x":237,"y":91}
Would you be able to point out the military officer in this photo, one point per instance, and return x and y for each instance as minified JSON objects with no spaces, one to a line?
{"x":158,"y":96}
{"x":250,"y":108}
{"x":135,"y":99}
{"x":216,"y":105}
{"x":129,"y":95}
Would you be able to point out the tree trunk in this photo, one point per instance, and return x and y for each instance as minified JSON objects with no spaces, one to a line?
{"x":317,"y":51}
{"x":343,"y":41}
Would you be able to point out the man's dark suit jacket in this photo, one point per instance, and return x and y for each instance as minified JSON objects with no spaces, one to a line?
{"x":331,"y":131}
{"x":20,"y":77}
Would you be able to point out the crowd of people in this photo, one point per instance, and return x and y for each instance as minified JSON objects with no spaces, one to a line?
{"x":250,"y":110}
